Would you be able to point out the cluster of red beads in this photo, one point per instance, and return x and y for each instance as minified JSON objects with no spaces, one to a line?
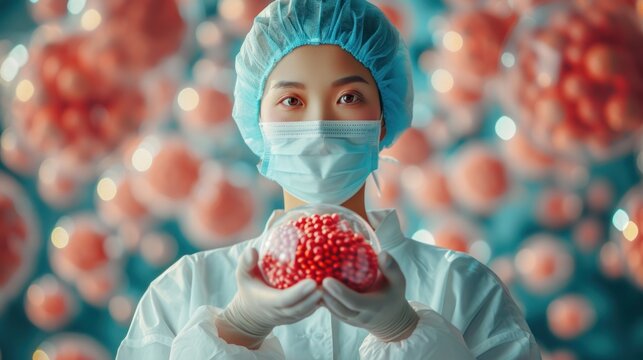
{"x":75,"y":107}
{"x":589,"y":97}
{"x":13,"y":232}
{"x":324,"y":246}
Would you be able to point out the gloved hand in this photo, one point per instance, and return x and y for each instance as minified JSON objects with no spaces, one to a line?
{"x":383,"y":310}
{"x":257,"y":307}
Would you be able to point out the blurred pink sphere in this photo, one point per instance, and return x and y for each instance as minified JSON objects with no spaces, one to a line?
{"x":117,"y":203}
{"x":573,"y":79}
{"x":71,"y":109}
{"x":131,"y":39}
{"x":453,"y":232}
{"x":611,"y":260}
{"x":571,"y":315}
{"x":527,"y":159}
{"x":482,"y":34}
{"x":174,"y":171}
{"x":504,"y":268}
{"x":394,"y":12}
{"x":428,"y":187}
{"x":49,"y":304}
{"x":411,"y":148}
{"x":166,"y":172}
{"x":57,"y":186}
{"x":219,"y":210}
{"x":15,"y":154}
{"x":14,"y":237}
{"x":158,"y":249}
{"x":72,"y":346}
{"x":81,"y":245}
{"x":559,"y":355}
{"x":240,"y":14}
{"x":97,"y":287}
{"x":478,"y":179}
{"x":558,"y":207}
{"x":588,"y":234}
{"x":45,"y":10}
{"x":213,"y":108}
{"x":121,"y":309}
{"x":600,"y":195}
{"x":544,"y":264}
{"x":19,"y":239}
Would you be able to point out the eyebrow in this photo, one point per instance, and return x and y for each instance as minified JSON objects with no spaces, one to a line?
{"x":338,"y":82}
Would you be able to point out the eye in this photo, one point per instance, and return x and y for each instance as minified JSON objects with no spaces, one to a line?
{"x":349,"y":99}
{"x":290,"y":101}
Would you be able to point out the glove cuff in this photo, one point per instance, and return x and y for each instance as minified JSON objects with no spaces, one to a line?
{"x":399,"y":329}
{"x":235,"y":315}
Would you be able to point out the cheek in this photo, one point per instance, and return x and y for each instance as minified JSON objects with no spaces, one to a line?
{"x":366,"y":113}
{"x":271,"y":113}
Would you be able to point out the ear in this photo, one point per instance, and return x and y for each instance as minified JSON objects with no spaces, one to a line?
{"x":383,"y":130}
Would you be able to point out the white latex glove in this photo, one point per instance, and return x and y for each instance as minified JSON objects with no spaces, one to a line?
{"x":383,"y":310}
{"x":257,"y":307}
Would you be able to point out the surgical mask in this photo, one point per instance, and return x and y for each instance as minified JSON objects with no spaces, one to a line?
{"x":323,"y":161}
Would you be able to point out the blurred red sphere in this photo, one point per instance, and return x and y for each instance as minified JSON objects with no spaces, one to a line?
{"x":66,"y":107}
{"x":588,"y":234}
{"x":478,"y":179}
{"x":411,"y":148}
{"x":80,"y":245}
{"x":569,"y":316}
{"x":166,"y":171}
{"x":71,"y":346}
{"x":558,"y":207}
{"x":480,"y":35}
{"x":219,"y":211}
{"x":544,"y":264}
{"x":213,"y":108}
{"x":19,"y":239}
{"x":428,"y":187}
{"x":117,"y":203}
{"x":15,"y":154}
{"x":240,"y":14}
{"x":97,"y":287}
{"x":45,"y":10}
{"x":130,"y":38}
{"x":527,"y":159}
{"x":575,"y":77}
{"x":158,"y":249}
{"x":49,"y":304}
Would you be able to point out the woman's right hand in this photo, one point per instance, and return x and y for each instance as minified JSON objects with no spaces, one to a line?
{"x":257,"y":307}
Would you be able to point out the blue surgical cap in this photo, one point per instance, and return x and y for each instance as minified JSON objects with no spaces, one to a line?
{"x":357,"y":26}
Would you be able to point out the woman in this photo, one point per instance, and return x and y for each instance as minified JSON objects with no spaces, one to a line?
{"x":322,"y":86}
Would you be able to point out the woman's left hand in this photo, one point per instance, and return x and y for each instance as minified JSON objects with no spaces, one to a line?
{"x":383,"y":310}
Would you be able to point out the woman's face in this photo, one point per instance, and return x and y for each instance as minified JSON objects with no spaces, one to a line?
{"x":320,"y":82}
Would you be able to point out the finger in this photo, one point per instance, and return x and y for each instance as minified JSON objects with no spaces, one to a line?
{"x":305,"y":306}
{"x":342,"y":293}
{"x":295,"y":294}
{"x":247,"y":262}
{"x":390,"y":268}
{"x":337,"y":308}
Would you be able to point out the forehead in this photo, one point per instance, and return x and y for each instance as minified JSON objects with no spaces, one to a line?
{"x":317,"y":64}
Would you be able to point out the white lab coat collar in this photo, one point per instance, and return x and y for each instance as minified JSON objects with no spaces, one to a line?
{"x":385,"y":222}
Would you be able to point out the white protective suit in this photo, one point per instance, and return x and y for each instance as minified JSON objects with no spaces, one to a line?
{"x":465,"y":311}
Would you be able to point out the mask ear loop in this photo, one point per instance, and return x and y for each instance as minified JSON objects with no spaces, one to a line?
{"x":385,"y":158}
{"x":374,"y":175}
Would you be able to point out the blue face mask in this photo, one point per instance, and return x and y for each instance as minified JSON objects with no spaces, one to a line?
{"x":320,"y":161}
